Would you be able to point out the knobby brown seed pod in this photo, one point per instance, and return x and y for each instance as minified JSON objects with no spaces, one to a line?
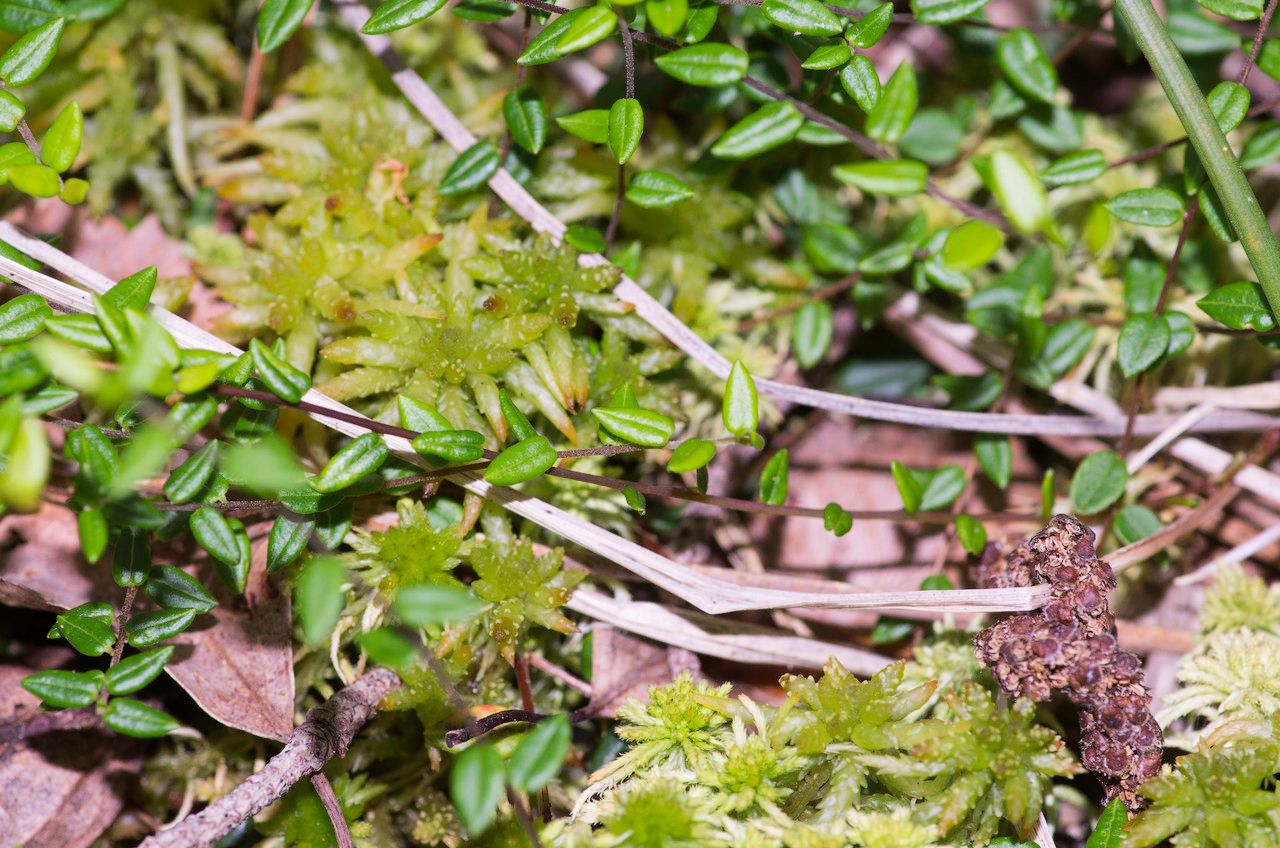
{"x":1070,"y":646}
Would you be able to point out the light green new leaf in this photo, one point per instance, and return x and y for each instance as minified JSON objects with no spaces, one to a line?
{"x":827,"y":57}
{"x":971,"y":245}
{"x":1019,"y":192}
{"x":1110,"y":830}
{"x":426,"y":604}
{"x":23,"y":317}
{"x":669,"y":16}
{"x":871,"y":27}
{"x":540,"y":754}
{"x":971,"y":533}
{"x":1238,"y":10}
{"x":741,"y":408}
{"x":889,"y":177}
{"x":690,"y":455}
{"x":836,"y":519}
{"x":61,"y":142}
{"x":318,"y":598}
{"x":589,"y":125}
{"x":476,"y":785}
{"x":995,"y":458}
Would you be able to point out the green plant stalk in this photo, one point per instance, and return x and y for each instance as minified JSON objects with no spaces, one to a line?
{"x":1238,"y":199}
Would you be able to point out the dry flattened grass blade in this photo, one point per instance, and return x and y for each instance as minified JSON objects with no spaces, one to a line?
{"x":707,"y":594}
{"x":431,"y":107}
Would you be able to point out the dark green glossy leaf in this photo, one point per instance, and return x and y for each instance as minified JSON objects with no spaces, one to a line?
{"x":471,"y":169}
{"x":626,"y":126}
{"x":1144,"y":338}
{"x":363,"y":455}
{"x":133,"y":718}
{"x":707,"y":64}
{"x":23,"y":317}
{"x":174,"y":588}
{"x":643,"y":427}
{"x":392,"y":15}
{"x":522,"y":461}
{"x":1240,"y":306}
{"x":131,"y":560}
{"x":133,"y":673}
{"x":289,"y":537}
{"x":768,"y":127}
{"x":64,"y":689}
{"x":88,"y":628}
{"x":451,"y":445}
{"x":995,"y":458}
{"x":656,"y":190}
{"x":526,"y":118}
{"x":29,"y":56}
{"x":150,"y":628}
{"x":1026,"y":66}
{"x":1099,"y":482}
{"x":278,"y":20}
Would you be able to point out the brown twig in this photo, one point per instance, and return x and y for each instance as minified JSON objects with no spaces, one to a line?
{"x":26,"y":724}
{"x":333,"y":807}
{"x":1264,"y":24}
{"x":325,"y":734}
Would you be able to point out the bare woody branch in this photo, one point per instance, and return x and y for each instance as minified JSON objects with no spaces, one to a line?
{"x":325,"y":734}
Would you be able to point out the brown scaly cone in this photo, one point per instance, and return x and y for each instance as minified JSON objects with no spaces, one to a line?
{"x":1070,"y":646}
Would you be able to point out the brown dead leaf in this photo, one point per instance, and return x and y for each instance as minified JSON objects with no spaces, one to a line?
{"x":106,"y":244}
{"x":624,"y":667}
{"x":239,"y":669}
{"x":235,"y":662}
{"x":60,"y":789}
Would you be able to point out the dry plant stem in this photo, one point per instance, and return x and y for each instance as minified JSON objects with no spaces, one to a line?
{"x":1264,"y":24}
{"x":329,"y":799}
{"x":671,"y":492}
{"x":707,"y":594}
{"x":459,"y":706}
{"x":122,"y":620}
{"x":824,"y":293}
{"x":326,"y":733}
{"x":420,"y":95}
